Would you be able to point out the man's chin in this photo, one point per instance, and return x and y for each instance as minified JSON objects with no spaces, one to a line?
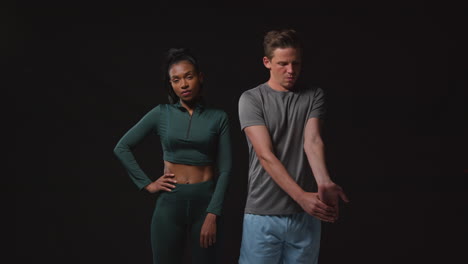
{"x":288,"y":85}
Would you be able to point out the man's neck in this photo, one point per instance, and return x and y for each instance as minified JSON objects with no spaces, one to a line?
{"x":277,"y":87}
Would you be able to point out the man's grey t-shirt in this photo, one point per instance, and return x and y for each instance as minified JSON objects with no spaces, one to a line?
{"x":285,"y":115}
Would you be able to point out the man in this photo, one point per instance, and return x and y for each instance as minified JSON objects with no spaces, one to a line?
{"x":282,"y":123}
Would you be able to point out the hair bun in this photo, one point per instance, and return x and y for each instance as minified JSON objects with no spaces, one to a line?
{"x":174,"y":53}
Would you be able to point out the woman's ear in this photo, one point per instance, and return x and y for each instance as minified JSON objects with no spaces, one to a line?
{"x":201,"y":77}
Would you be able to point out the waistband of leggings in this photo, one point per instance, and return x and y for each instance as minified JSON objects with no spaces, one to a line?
{"x":195,"y":191}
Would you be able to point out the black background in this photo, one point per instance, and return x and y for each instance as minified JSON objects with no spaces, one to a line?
{"x":82,"y":75}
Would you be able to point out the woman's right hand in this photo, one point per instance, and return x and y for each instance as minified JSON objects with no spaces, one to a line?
{"x":163,"y":183}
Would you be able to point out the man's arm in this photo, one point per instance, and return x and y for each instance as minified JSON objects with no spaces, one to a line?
{"x":260,"y":139}
{"x":328,"y":191}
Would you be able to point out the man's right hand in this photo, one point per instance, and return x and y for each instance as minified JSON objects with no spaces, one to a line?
{"x":163,"y":183}
{"x":312,"y":205}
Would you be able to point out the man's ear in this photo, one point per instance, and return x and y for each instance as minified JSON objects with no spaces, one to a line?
{"x":267,"y":63}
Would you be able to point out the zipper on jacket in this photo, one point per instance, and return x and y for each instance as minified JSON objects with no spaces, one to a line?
{"x":189,"y":125}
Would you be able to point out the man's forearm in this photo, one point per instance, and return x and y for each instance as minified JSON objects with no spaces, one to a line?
{"x":316,"y":157}
{"x":280,"y":175}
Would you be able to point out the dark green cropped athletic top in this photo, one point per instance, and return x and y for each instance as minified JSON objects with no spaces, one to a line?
{"x":200,"y":139}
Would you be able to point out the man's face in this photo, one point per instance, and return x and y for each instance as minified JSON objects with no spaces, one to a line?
{"x":285,"y":66}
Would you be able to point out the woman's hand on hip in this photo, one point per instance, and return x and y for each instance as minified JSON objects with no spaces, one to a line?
{"x":163,"y":183}
{"x":208,"y":231}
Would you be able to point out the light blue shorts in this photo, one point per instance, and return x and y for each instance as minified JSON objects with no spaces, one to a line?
{"x":274,"y":239}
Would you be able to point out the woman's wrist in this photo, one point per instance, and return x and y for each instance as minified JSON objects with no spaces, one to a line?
{"x":149,"y":188}
{"x":210,"y":217}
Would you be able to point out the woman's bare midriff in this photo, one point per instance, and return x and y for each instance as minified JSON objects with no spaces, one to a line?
{"x":189,"y":174}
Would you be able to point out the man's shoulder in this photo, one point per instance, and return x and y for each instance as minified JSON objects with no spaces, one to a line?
{"x":252,"y":93}
{"x":310,"y":89}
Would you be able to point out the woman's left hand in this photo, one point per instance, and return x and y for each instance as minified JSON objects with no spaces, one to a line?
{"x":208,"y":231}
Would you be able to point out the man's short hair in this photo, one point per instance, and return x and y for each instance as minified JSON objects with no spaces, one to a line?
{"x":284,"y":38}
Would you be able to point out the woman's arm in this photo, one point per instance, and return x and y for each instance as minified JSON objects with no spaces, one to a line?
{"x":123,"y":149}
{"x":224,"y":166}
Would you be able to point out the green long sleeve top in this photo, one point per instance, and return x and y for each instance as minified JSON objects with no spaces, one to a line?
{"x":200,"y":139}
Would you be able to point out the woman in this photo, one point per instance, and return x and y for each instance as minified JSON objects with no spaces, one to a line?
{"x":196,"y":144}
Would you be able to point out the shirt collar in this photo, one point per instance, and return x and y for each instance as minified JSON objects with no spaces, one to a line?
{"x":199,"y":105}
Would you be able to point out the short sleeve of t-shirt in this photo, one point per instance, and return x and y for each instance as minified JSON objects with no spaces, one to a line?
{"x":318,"y":107}
{"x":250,"y":110}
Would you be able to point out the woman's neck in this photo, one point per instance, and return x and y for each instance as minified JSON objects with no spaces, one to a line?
{"x":189,"y":105}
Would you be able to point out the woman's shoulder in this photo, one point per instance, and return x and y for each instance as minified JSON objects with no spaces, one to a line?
{"x":215,"y":112}
{"x":160,"y":107}
{"x":155,"y":110}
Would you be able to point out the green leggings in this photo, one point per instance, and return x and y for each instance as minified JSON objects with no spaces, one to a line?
{"x":179,"y":214}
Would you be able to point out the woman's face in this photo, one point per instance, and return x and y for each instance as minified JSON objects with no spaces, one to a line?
{"x":185,"y":80}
